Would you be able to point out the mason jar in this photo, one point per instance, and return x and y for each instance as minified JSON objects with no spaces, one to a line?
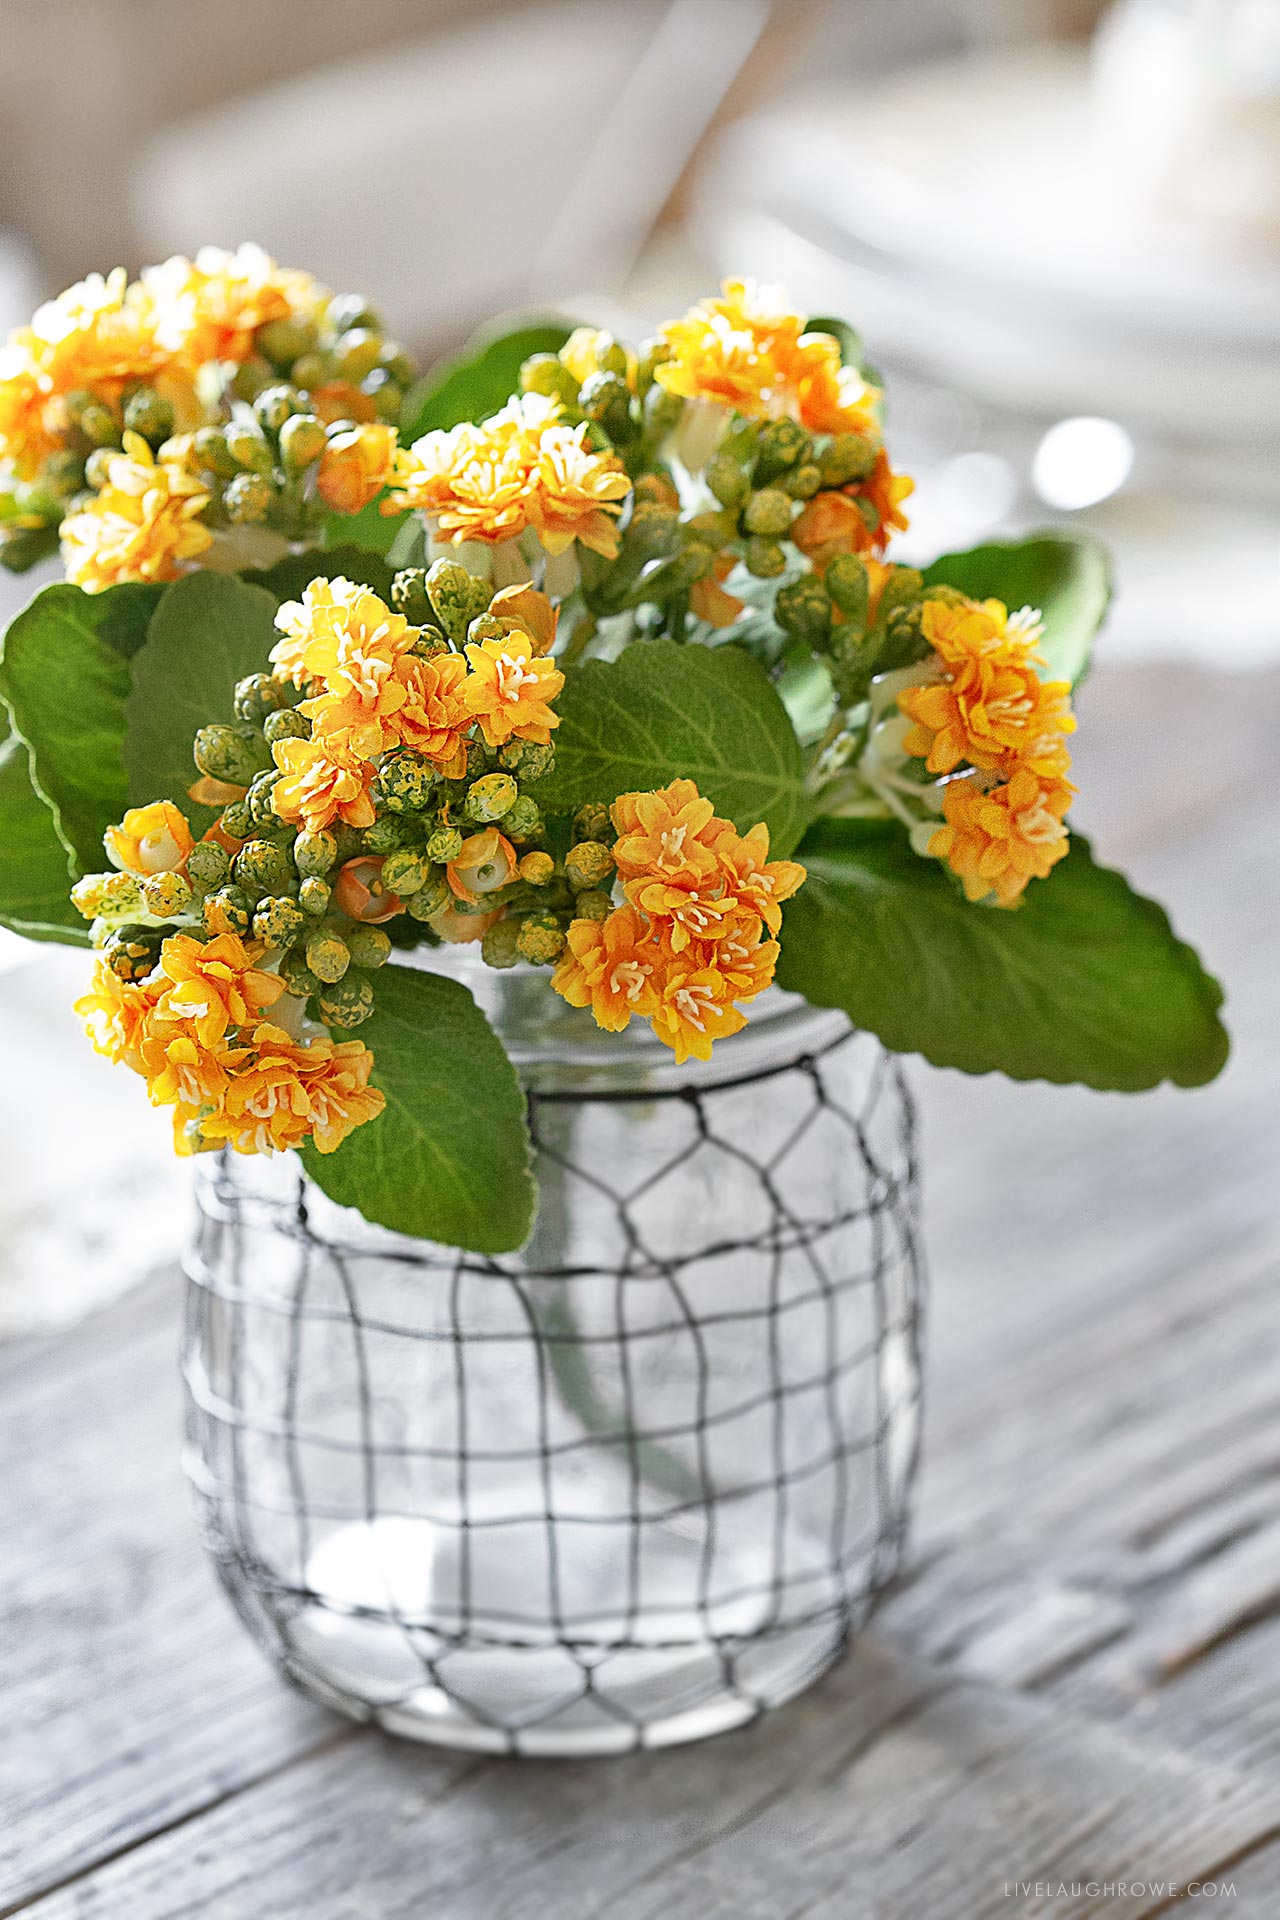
{"x":632,"y":1485}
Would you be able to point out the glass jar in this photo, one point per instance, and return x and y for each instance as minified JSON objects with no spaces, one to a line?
{"x":627,"y":1487}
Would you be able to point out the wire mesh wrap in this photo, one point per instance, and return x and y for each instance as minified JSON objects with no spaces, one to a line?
{"x":632,"y":1485}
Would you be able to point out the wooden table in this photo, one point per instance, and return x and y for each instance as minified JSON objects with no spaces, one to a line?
{"x":1078,"y":1680}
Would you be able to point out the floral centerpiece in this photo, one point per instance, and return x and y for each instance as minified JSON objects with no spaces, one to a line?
{"x":597,"y":658}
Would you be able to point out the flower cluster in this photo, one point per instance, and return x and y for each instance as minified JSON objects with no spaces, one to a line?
{"x":981,"y":713}
{"x":696,"y":931}
{"x":206,"y":1019}
{"x":209,"y":412}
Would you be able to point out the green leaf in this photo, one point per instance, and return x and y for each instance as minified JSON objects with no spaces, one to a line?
{"x":449,"y":1158}
{"x":208,"y":631}
{"x":33,"y":873}
{"x":64,"y":676}
{"x":289,"y":577}
{"x":27,"y":548}
{"x":1066,"y":575}
{"x":369,"y":530}
{"x":482,"y":379}
{"x":662,"y":712}
{"x":1085,"y":981}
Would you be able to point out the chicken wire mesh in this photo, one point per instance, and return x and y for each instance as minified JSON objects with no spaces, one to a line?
{"x":629,"y":1486}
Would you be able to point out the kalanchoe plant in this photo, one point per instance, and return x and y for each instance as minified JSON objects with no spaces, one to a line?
{"x":637,"y":696}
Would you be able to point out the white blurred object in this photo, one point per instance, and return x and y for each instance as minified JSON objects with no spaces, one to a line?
{"x":1188,"y":98}
{"x":1082,"y":461}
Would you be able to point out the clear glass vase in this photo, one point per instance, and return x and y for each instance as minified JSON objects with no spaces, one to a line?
{"x":627,"y":1487}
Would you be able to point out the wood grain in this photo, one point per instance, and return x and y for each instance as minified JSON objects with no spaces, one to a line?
{"x":1077,"y":1680}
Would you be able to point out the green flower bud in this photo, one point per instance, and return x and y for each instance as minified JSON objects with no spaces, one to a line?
{"x":356,"y":353}
{"x":111,"y":896}
{"x":274,"y":405}
{"x":347,"y":1002}
{"x":388,"y":835}
{"x":262,"y":867}
{"x":213,"y":452}
{"x":540,"y":939}
{"x":165,"y":895}
{"x":846,"y":458}
{"x":328,"y":955}
{"x":387,"y":395}
{"x":522,"y":820}
{"x":248,"y":447}
{"x":259,"y":799}
{"x":100,"y":425}
{"x":399,"y":363}
{"x":314,"y":895}
{"x":430,"y":900}
{"x":309,"y":371}
{"x":849,"y":584}
{"x":257,"y":695}
{"x":729,"y":481}
{"x":278,"y":921}
{"x":64,"y":472}
{"x":283,"y":341}
{"x":491,"y":797}
{"x":593,"y":821}
{"x":587,"y":864}
{"x":662,"y":411}
{"x":853,"y":661}
{"x":649,"y":359}
{"x":804,"y":609}
{"x":546,"y":374}
{"x":904,"y":585}
{"x":444,"y":845}
{"x":302,"y":440}
{"x":606,"y":399}
{"x":802,"y":482}
{"x":764,"y":558}
{"x":485,"y":626}
{"x":286,"y":724}
{"x":147,"y":413}
{"x":236,"y":820}
{"x":409,"y":595}
{"x":593,"y":904}
{"x":131,"y":952}
{"x":768,"y":513}
{"x":208,"y":866}
{"x":536,"y":869}
{"x":406,"y":872}
{"x":406,"y":782}
{"x":297,"y":975}
{"x":251,"y":376}
{"x":500,"y":946}
{"x":781,"y":444}
{"x":528,"y":759}
{"x":235,"y":754}
{"x":229,"y":910}
{"x":368,"y":946}
{"x":248,"y":499}
{"x":651,"y":528}
{"x":347,"y":310}
{"x":314,"y":853}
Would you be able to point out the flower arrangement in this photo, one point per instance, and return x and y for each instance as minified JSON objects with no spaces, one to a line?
{"x":596,"y":658}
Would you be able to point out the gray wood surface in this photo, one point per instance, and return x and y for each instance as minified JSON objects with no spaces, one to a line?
{"x":1077,"y":1680}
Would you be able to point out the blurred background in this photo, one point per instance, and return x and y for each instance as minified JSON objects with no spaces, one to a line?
{"x":1056,"y":222}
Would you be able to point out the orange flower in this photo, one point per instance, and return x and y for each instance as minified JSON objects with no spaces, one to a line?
{"x":524,"y":468}
{"x":992,"y":716}
{"x":144,"y":524}
{"x":885,"y":491}
{"x":322,"y":783}
{"x":695,"y":1010}
{"x":980,"y":630}
{"x":997,"y":839}
{"x":486,"y":862}
{"x":355,"y":466}
{"x":291,"y":1091}
{"x":29,"y":419}
{"x":664,"y":834}
{"x":152,"y":839}
{"x":709,"y":601}
{"x":100,"y":334}
{"x":611,"y":966}
{"x":338,"y":400}
{"x":690,"y":911}
{"x":181,"y":1073}
{"x":212,"y":986}
{"x":324,"y":610}
{"x":360,"y":892}
{"x":829,"y":524}
{"x":525,"y":611}
{"x":510,"y":690}
{"x":435,"y":717}
{"x":211,"y":309}
{"x":115,"y":1013}
{"x":755,"y":881}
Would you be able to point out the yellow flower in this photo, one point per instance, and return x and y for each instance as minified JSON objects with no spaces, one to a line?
{"x":981,"y":630}
{"x":997,"y":839}
{"x":993,"y":717}
{"x":351,"y":658}
{"x":29,"y":420}
{"x":100,"y":334}
{"x":322,"y":783}
{"x":152,"y":839}
{"x":434,"y":718}
{"x":184,"y":1074}
{"x":509,"y":690}
{"x":324,"y":607}
{"x":522,"y":469}
{"x":211,"y":308}
{"x":666,"y":833}
{"x":143,"y":525}
{"x":581,"y":354}
{"x":290,"y":1091}
{"x":212,"y":987}
{"x":116,"y":1012}
{"x":696,"y":1009}
{"x":355,"y":466}
{"x":749,"y":351}
{"x":610,"y":966}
